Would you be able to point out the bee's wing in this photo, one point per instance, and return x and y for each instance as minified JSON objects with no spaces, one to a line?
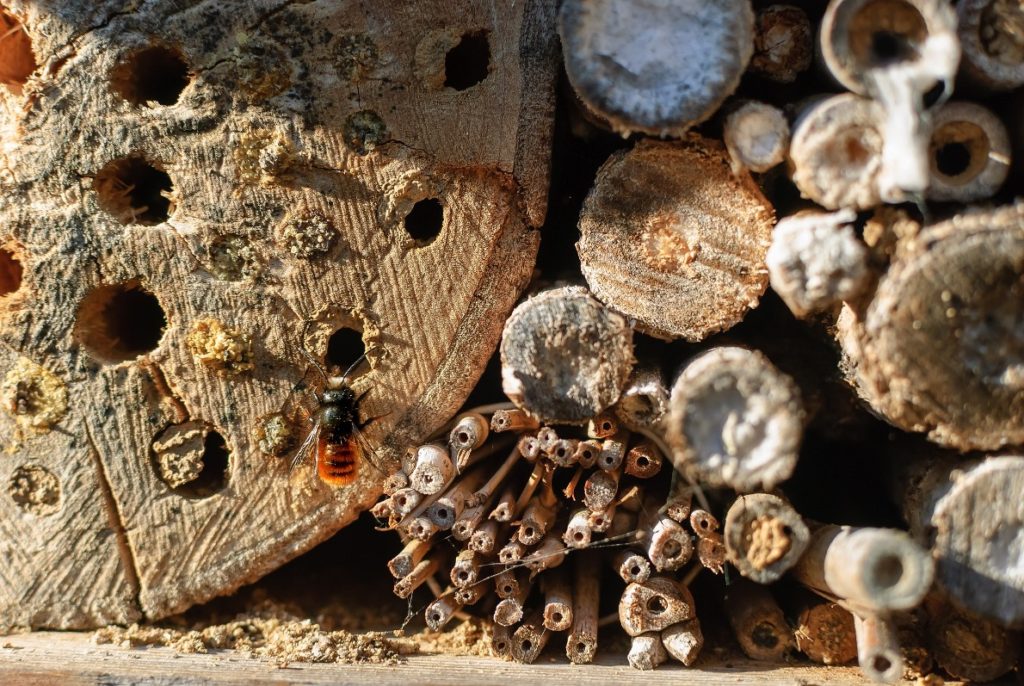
{"x":302,"y":400}
{"x":363,"y":443}
{"x":308,"y":445}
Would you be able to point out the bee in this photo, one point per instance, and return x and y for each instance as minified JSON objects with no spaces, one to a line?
{"x":335,"y":439}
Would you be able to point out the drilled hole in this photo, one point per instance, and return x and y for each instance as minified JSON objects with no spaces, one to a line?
{"x":656,"y":605}
{"x":578,"y":536}
{"x":134,"y":191}
{"x":888,"y":571}
{"x":882,"y":664}
{"x":556,"y":617}
{"x":468,"y":63}
{"x":953,"y":159}
{"x":10,"y":272}
{"x":635,"y":571}
{"x":16,"y":59}
{"x":345,"y":347}
{"x":424,"y":221}
{"x":119,"y":322}
{"x":764,"y":636}
{"x":156,"y":74}
{"x":214,"y":473}
{"x":527,"y":645}
{"x":463,"y":437}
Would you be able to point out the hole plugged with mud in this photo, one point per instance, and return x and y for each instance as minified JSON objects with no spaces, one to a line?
{"x":469,"y":62}
{"x":16,"y":59}
{"x":213,"y":475}
{"x":35,"y":490}
{"x":157,"y":74}
{"x":10,"y":272}
{"x":134,"y":191}
{"x":119,"y":322}
{"x":345,"y":348}
{"x":424,"y":221}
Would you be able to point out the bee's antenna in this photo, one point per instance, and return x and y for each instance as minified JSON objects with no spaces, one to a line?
{"x":344,"y":377}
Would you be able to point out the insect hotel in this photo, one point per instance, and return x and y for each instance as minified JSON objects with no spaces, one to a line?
{"x":512,"y":340}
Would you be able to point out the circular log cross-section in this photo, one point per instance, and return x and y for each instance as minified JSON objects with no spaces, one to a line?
{"x":969,"y":153}
{"x":671,"y":237}
{"x":655,"y":67}
{"x":941,"y":347}
{"x":564,"y":356}
{"x":735,"y":420}
{"x":992,"y":43}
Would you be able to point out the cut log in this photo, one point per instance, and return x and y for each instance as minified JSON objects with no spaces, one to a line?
{"x":757,"y":136}
{"x":783,"y":43}
{"x":670,"y":237}
{"x":657,"y":68}
{"x":939,"y":348}
{"x":757,"y":622}
{"x":992,"y":43}
{"x":257,"y":167}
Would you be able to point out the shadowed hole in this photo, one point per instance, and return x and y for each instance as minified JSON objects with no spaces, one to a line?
{"x":953,"y":159}
{"x":672,"y":548}
{"x":344,"y":348}
{"x":157,"y":74}
{"x":214,"y":474}
{"x":468,"y":63}
{"x":134,"y":191}
{"x":556,"y":617}
{"x":888,"y":571}
{"x":764,"y":636}
{"x":424,"y":221}
{"x":656,"y":605}
{"x":16,"y":59}
{"x":527,"y":645}
{"x":10,"y":272}
{"x":119,"y":322}
{"x":881,"y":664}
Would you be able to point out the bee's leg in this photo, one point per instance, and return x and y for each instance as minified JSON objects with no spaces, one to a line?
{"x":371,"y":420}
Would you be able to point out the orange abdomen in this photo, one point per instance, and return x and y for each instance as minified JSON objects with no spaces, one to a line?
{"x":336,"y":462}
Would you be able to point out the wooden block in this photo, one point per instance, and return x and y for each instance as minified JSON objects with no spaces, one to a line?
{"x":179,"y":210}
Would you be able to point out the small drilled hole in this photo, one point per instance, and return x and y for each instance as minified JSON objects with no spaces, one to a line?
{"x":882,"y":664}
{"x":578,"y":536}
{"x":156,"y":74}
{"x":134,"y":191}
{"x":527,"y":645}
{"x":442,"y":513}
{"x":635,"y":571}
{"x":556,"y":617}
{"x":213,"y":475}
{"x":16,"y":59}
{"x":468,"y":63}
{"x":424,"y":221}
{"x":10,"y":272}
{"x":120,"y":322}
{"x":463,"y":437}
{"x":656,"y":605}
{"x":344,"y":348}
{"x":953,"y":159}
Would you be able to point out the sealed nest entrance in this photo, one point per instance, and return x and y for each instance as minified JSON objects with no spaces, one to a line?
{"x":120,"y":322}
{"x":192,"y":459}
{"x":135,"y":191}
{"x":10,"y":272}
{"x":16,"y":59}
{"x":154,"y":75}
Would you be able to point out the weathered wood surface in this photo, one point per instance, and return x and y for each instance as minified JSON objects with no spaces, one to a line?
{"x":46,"y":657}
{"x":302,"y":138}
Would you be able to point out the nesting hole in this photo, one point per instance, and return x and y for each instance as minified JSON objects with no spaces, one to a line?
{"x":463,"y":576}
{"x":642,"y":461}
{"x":435,"y":617}
{"x":882,"y":664}
{"x":656,"y":605}
{"x":672,"y":548}
{"x":528,"y":532}
{"x":885,"y":32}
{"x":463,"y":437}
{"x":11,"y":272}
{"x":424,"y":221}
{"x":119,"y":322}
{"x":581,"y":647}
{"x":960,"y":150}
{"x":214,"y":474}
{"x":134,"y":191}
{"x":888,"y":571}
{"x":155,"y":74}
{"x":469,"y":62}
{"x":764,"y":636}
{"x":527,"y":645}
{"x":606,"y":426}
{"x":442,"y":513}
{"x":345,"y":348}
{"x":634,"y":570}
{"x":953,"y":159}
{"x":16,"y":59}
{"x":556,"y":617}
{"x":578,"y":536}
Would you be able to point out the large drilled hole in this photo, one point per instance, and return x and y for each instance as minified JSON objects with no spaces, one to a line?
{"x":656,"y":605}
{"x":960,"y":150}
{"x":468,"y":63}
{"x":952,"y":159}
{"x":888,"y":571}
{"x":424,"y":221}
{"x":16,"y":59}
{"x":10,"y":272}
{"x":152,"y":75}
{"x":345,"y":348}
{"x":885,"y":32}
{"x":214,"y":473}
{"x":134,"y":191}
{"x":119,"y":322}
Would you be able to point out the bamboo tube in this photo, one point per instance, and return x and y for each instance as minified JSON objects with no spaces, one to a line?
{"x":835,"y":155}
{"x":513,"y":420}
{"x":563,"y":452}
{"x":395,"y":482}
{"x":816,"y":261}
{"x":783,"y":43}
{"x":668,"y":545}
{"x":992,"y":48}
{"x":548,"y":555}
{"x":405,"y":501}
{"x":877,"y":570}
{"x":612,"y":454}
{"x":441,"y":611}
{"x":506,"y":584}
{"x":671,"y":237}
{"x":586,"y":453}
{"x":446,"y":509}
{"x":466,"y":569}
{"x":684,"y":641}
{"x":643,"y":460}
{"x":581,"y":645}
{"x":384,"y":510}
{"x":512,"y":552}
{"x":546,"y":438}
{"x":654,"y":605}
{"x":529,"y":639}
{"x":878,"y":649}
{"x":602,"y":426}
{"x":404,"y":562}
{"x":423,"y":570}
{"x":756,"y":136}
{"x":646,"y":651}
{"x":535,"y":522}
{"x":655,"y":68}
{"x":501,"y":641}
{"x":825,"y":633}
{"x":644,"y":400}
{"x":758,"y":622}
{"x":929,"y":352}
{"x":558,"y":603}
{"x":468,"y":522}
{"x":764,"y":537}
{"x":969,"y":151}
{"x":485,"y":538}
{"x":471,"y":595}
{"x":601,"y":522}
{"x":469,"y":433}
{"x":510,"y":610}
{"x":421,"y":528}
{"x":505,"y":509}
{"x":578,"y":532}
{"x":735,"y":420}
{"x":631,"y":566}
{"x":711,"y":553}
{"x":600,"y":488}
{"x":529,"y":448}
{"x":433,"y":471}
{"x":679,"y":501}
{"x":561,"y":378}
{"x":703,"y":522}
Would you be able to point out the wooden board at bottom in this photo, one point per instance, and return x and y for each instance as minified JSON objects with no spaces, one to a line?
{"x":71,"y":658}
